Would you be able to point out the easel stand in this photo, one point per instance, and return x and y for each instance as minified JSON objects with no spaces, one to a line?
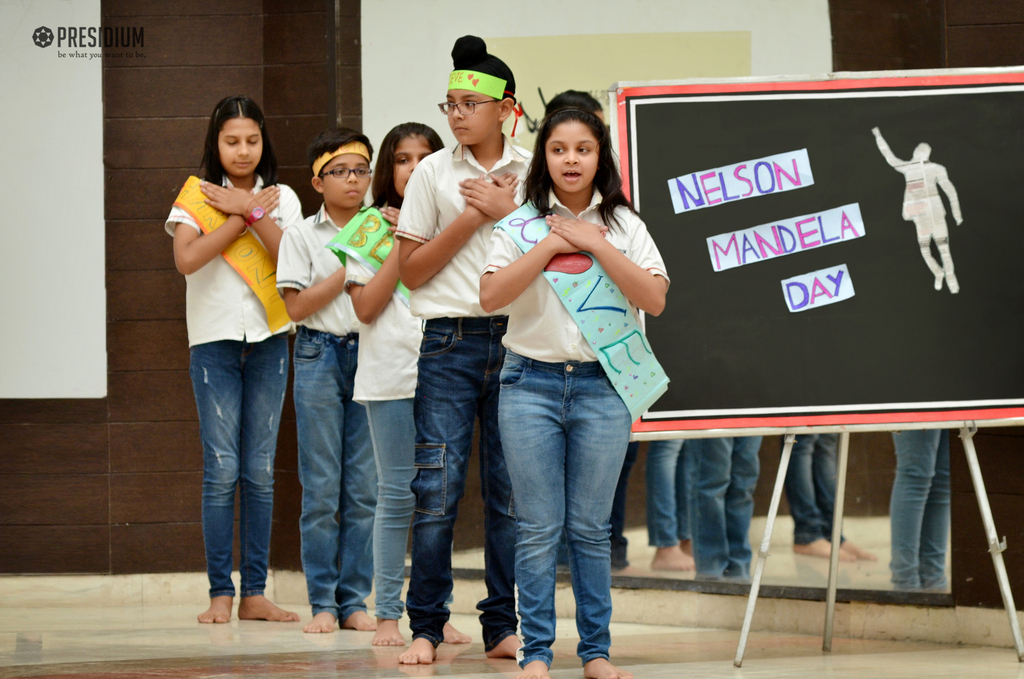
{"x":996,"y":547}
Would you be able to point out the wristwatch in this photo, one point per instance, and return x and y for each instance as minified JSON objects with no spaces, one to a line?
{"x":256,"y":215}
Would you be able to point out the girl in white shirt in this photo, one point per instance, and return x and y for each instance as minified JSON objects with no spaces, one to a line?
{"x":564,"y":428}
{"x":238,"y":364}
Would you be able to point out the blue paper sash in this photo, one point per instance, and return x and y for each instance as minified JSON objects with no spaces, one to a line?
{"x":601,"y":311}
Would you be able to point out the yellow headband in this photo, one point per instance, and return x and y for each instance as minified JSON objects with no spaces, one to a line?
{"x":356,"y":147}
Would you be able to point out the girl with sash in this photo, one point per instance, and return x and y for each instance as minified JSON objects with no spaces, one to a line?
{"x":574,"y":264}
{"x":227,"y":229}
{"x":386,"y":377}
{"x":336,"y":468}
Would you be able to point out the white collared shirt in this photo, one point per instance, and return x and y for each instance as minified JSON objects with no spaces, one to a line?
{"x":219,"y":304}
{"x":539,"y":326}
{"x":432,"y":202}
{"x":388,"y":348}
{"x":304,"y":260}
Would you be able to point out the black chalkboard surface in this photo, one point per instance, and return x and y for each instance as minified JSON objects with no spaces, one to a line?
{"x":898,"y":349}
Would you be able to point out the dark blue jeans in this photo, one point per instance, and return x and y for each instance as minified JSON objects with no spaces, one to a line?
{"x":460,"y":360}
{"x":811,"y":486}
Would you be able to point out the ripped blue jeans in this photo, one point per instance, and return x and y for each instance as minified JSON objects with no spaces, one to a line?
{"x":239,"y":389}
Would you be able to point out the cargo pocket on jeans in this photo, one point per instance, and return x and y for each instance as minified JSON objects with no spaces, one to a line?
{"x":430,"y":484}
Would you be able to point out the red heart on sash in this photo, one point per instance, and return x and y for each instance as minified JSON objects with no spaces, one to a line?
{"x":571,"y":263}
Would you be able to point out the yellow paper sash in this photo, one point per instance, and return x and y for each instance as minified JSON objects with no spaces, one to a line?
{"x":246,"y":254}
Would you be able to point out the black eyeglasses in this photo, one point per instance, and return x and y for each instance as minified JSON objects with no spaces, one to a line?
{"x":466,"y":108}
{"x":344,"y":172}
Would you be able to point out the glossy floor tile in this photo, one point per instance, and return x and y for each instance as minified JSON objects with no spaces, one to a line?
{"x":138,"y":641}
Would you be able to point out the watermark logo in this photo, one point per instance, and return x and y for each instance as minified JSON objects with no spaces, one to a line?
{"x":42,"y":37}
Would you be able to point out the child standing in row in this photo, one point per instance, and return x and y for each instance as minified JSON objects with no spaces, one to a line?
{"x":563,"y":424}
{"x":336,"y":466}
{"x":386,"y":380}
{"x":238,"y":354}
{"x":452,"y":202}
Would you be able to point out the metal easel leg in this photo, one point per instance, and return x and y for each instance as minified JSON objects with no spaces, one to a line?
{"x":995,"y":545}
{"x":766,"y":542}
{"x":837,"y":538}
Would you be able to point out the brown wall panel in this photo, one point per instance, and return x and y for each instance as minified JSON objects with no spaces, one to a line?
{"x":280,"y":45}
{"x":285,"y":546}
{"x":52,"y":449}
{"x":52,"y":410}
{"x":52,"y":499}
{"x":965,"y":12}
{"x":298,"y":179}
{"x":55,"y":549}
{"x":231,"y":40}
{"x":293,"y":6}
{"x":147,"y":345}
{"x":164,"y":396}
{"x":287,"y":497}
{"x":158,"y":548}
{"x":296,"y":89}
{"x":145,"y":295}
{"x":143,"y":195}
{"x":173,"y":92}
{"x":169,"y":497}
{"x":142,"y":143}
{"x":886,"y":35}
{"x":291,"y":136}
{"x":352,"y":97}
{"x":155,"y":447}
{"x":138,"y":246}
{"x":180,"y":9}
{"x":971,"y":46}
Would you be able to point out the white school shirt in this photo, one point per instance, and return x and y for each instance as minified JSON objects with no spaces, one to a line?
{"x":432,"y":202}
{"x":219,"y":304}
{"x":303,"y":260}
{"x":388,"y":348}
{"x":539,"y":326}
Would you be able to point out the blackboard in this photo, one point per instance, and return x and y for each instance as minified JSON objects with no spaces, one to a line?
{"x":898,"y":350}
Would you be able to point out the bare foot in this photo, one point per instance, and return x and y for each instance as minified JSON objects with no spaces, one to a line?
{"x":672,"y":559}
{"x":322,"y":623}
{"x":822,"y":548}
{"x":421,"y":652}
{"x":387,"y":634}
{"x":259,"y":607}
{"x":454,"y":636}
{"x":506,"y":649}
{"x":599,"y":668}
{"x":360,"y":621}
{"x":219,"y":610}
{"x":686,"y":546}
{"x":537,"y":669}
{"x":858,"y":553}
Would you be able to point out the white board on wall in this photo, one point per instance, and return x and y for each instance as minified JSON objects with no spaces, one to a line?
{"x":53,"y":343}
{"x":406,"y":44}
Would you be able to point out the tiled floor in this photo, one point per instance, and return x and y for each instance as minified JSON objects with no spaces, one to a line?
{"x":128,"y":642}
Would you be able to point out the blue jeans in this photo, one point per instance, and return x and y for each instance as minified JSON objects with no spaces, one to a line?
{"x":565,"y":432}
{"x":919,"y":509}
{"x":725,"y":475}
{"x":668,"y":493}
{"x":460,"y":359}
{"x":239,"y":389}
{"x":811,"y":486}
{"x":393,"y":432}
{"x":337,"y":473}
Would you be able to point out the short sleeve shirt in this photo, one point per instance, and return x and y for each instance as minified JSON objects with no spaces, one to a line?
{"x":539,"y":326}
{"x":219,"y":304}
{"x":432,"y":202}
{"x":304,"y":260}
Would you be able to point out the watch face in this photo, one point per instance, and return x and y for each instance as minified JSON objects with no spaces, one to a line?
{"x":258,"y":213}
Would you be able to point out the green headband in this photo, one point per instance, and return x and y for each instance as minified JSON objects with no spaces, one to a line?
{"x":476,"y":81}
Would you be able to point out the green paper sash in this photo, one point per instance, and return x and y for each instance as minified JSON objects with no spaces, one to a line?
{"x":368,"y":239}
{"x":601,"y":311}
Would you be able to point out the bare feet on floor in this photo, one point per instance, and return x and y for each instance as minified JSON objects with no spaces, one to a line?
{"x":454,"y":636}
{"x":360,"y":621}
{"x":322,"y":623}
{"x":599,"y":668}
{"x":537,"y":669}
{"x":219,"y":610}
{"x":857,"y":552}
{"x":421,"y":652}
{"x":506,"y":649}
{"x":672,"y":559}
{"x":387,"y":634}
{"x":822,"y":548}
{"x":259,"y":607}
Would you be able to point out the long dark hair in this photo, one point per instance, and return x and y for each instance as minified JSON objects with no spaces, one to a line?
{"x":538,"y":184}
{"x":237,"y":106}
{"x":383,"y":189}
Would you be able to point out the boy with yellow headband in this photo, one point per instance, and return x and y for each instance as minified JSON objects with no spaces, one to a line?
{"x":452,"y":202}
{"x":336,"y":464}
